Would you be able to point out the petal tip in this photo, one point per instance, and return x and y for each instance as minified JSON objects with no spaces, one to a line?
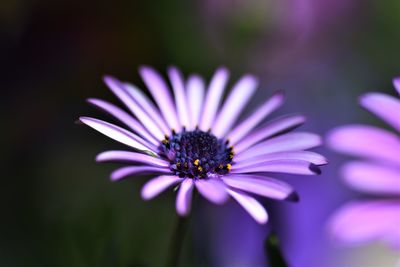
{"x":293,"y":197}
{"x":315,"y":169}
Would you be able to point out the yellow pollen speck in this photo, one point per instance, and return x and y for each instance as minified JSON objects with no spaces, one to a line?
{"x":178,"y":164}
{"x":229,"y":167}
{"x":165,"y":141}
{"x":200,"y":169}
{"x":196,"y":162}
{"x":221,"y":166}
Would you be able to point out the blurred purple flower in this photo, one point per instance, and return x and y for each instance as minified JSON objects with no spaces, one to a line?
{"x":192,"y":142}
{"x":378,"y":173}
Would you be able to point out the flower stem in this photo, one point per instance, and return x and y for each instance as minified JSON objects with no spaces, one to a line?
{"x":273,"y":252}
{"x":176,"y":243}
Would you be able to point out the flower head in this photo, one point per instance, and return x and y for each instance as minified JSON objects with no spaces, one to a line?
{"x":377,"y":173}
{"x":191,"y":140}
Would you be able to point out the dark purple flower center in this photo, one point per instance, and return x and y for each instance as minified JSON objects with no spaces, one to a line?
{"x":196,"y":154}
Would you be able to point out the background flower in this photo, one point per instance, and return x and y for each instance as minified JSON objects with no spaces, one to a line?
{"x":378,"y":172}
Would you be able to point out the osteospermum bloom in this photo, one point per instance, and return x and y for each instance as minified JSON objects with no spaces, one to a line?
{"x":377,"y":173}
{"x":189,"y":140}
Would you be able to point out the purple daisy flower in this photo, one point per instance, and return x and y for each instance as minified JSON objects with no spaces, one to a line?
{"x":190,"y":140}
{"x":378,"y":173}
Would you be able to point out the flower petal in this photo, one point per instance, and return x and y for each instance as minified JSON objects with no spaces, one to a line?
{"x":118,"y":134}
{"x":254,"y":119}
{"x":137,"y":170}
{"x":157,"y":185}
{"x":384,"y":106}
{"x":396,"y":83}
{"x":213,"y":98}
{"x":195,"y":95}
{"x":281,"y":166}
{"x":261,"y":185}
{"x":282,"y":143}
{"x":180,"y":95}
{"x":147,"y":105}
{"x":372,"y":177}
{"x":117,"y":88}
{"x":271,"y":129}
{"x":124,"y":117}
{"x":251,"y":205}
{"x":308,"y":156}
{"x":160,"y":92}
{"x":361,"y":222}
{"x":184,"y":197}
{"x":213,"y":190}
{"x":366,"y":141}
{"x":234,"y":104}
{"x":127,"y":156}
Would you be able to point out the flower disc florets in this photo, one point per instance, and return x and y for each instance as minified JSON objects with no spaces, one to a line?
{"x":196,"y":154}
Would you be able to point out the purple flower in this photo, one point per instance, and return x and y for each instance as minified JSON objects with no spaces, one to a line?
{"x":378,"y":173}
{"x":192,"y":141}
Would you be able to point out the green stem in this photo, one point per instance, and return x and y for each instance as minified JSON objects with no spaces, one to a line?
{"x":274,"y":253}
{"x":176,"y":243}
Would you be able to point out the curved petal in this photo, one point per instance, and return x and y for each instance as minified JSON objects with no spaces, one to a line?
{"x":273,"y":128}
{"x":147,"y":105}
{"x":254,"y":119}
{"x":366,"y":141}
{"x":361,"y":222}
{"x":308,"y":156}
{"x":180,"y":95}
{"x":282,"y":143}
{"x":213,"y":98}
{"x":195,"y":95}
{"x":384,"y":106}
{"x":281,"y":166}
{"x":184,"y":197}
{"x":124,"y":117}
{"x":118,"y":134}
{"x":213,"y":190}
{"x":262,"y":185}
{"x":251,"y":205}
{"x":117,"y":88}
{"x":160,"y":92}
{"x":234,"y":104}
{"x":157,"y":185}
{"x":372,"y":177}
{"x":137,"y":170}
{"x":127,"y":156}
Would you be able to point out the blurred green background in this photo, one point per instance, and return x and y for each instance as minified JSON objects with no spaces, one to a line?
{"x":58,"y":206}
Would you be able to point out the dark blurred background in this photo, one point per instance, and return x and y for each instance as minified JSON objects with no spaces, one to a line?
{"x":58,"y":207}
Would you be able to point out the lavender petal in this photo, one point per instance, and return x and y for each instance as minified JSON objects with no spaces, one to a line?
{"x":366,"y":141}
{"x":260,"y":185}
{"x":160,"y":92}
{"x":137,"y":170}
{"x":236,"y":101}
{"x":271,"y":129}
{"x":372,"y":177}
{"x":251,"y":205}
{"x":213,"y":98}
{"x":384,"y":106}
{"x":127,"y":156}
{"x":118,"y":134}
{"x":195,"y":95}
{"x":178,"y":87}
{"x":254,"y":119}
{"x":280,"y":166}
{"x":213,"y":190}
{"x":157,"y":185}
{"x":184,"y":197}
{"x":124,"y":117}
